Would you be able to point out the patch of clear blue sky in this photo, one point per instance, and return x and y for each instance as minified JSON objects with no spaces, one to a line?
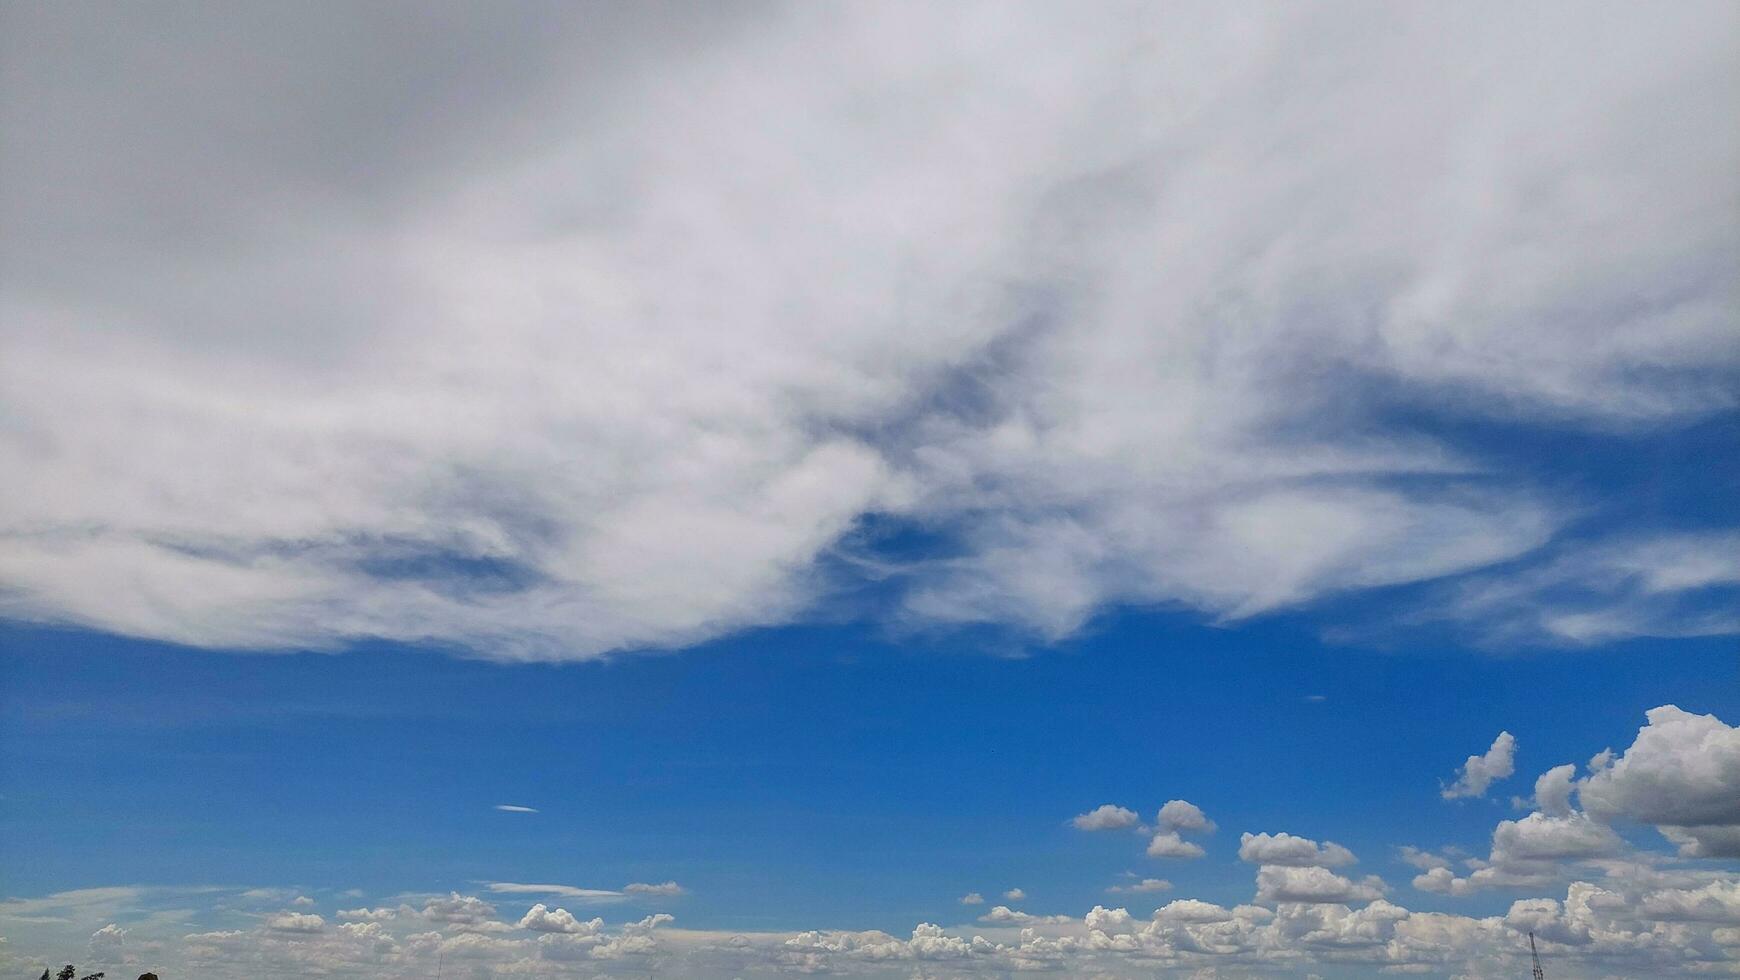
{"x":790,"y":778}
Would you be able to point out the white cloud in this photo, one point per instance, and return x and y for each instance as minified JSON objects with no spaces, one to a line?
{"x":1654,"y":584}
{"x":668,"y":889}
{"x":1481,"y":771}
{"x":1287,"y":849}
{"x":1004,"y":915}
{"x":587,"y":895}
{"x":1718,"y":901}
{"x":539,"y":918}
{"x":972,"y":898}
{"x":457,"y":908}
{"x":348,"y":395}
{"x":1540,"y":837}
{"x":1106,"y":817}
{"x":108,"y":944}
{"x":1314,"y":885}
{"x":367,"y":915}
{"x":1635,"y":920}
{"x":514,"y":808}
{"x":1176,"y":818}
{"x":1553,"y":790}
{"x":1184,"y":816}
{"x":1014,"y":894}
{"x":1422,"y":859}
{"x":1682,"y":774}
{"x":1528,"y":853}
{"x":295,"y":922}
{"x":1142,"y":887}
{"x":1167,"y":844}
{"x":1192,"y":910}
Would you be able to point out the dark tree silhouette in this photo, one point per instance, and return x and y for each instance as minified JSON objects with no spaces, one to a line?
{"x":68,"y":972}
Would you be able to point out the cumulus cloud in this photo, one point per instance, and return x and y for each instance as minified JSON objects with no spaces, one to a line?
{"x":1682,"y":774}
{"x":295,"y":922}
{"x":1014,"y":894}
{"x":1481,"y":771}
{"x":457,"y":908}
{"x":1168,"y":844}
{"x":1106,"y":817}
{"x":539,"y":918}
{"x":1632,"y":920}
{"x":972,"y":898}
{"x":108,"y":944}
{"x":1004,"y":915}
{"x":620,"y":345}
{"x":1553,"y":790}
{"x":1717,"y":901}
{"x":1175,"y":819}
{"x":1314,"y":885}
{"x":1185,"y":816}
{"x":1540,"y":837}
{"x":1287,"y":849}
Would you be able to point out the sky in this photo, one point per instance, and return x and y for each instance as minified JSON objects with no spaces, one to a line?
{"x":881,"y":490}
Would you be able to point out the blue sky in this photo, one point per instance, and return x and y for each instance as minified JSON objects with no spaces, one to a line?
{"x":872,"y":490}
{"x":764,"y":770}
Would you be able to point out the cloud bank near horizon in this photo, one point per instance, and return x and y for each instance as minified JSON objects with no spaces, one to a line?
{"x":1626,"y":909}
{"x":634,"y":332}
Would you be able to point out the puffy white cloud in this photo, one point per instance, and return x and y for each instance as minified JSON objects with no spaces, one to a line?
{"x":295,"y":922}
{"x":1681,"y":773}
{"x":1480,"y":771}
{"x":1192,"y":910}
{"x":1184,"y":816}
{"x":1314,"y":885}
{"x":539,"y":918}
{"x":1176,"y":818}
{"x":367,"y":915}
{"x":1004,"y":915}
{"x":1287,"y":849}
{"x":108,"y":944}
{"x":972,"y":898}
{"x":347,"y":395}
{"x":1167,"y":844}
{"x":1717,"y":901}
{"x":1539,"y":837}
{"x":1553,"y":790}
{"x":457,"y":908}
{"x":1638,"y":921}
{"x":1106,"y":817}
{"x":1014,"y":894}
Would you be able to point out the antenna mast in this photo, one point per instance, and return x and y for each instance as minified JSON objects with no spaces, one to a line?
{"x":1538,"y":975}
